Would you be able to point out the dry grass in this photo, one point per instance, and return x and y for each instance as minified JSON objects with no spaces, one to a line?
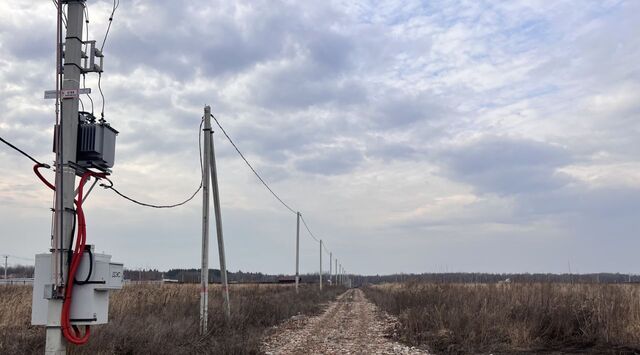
{"x":508,"y":318}
{"x":163,"y":319}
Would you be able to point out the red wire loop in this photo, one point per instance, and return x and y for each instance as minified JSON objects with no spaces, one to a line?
{"x":71,"y":332}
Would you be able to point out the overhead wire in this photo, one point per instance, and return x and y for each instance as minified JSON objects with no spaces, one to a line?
{"x":116,"y":4}
{"x":84,"y":78}
{"x":24,"y":153}
{"x":266,"y":185}
{"x":145,"y":204}
{"x":308,"y":229}
{"x":251,"y":167}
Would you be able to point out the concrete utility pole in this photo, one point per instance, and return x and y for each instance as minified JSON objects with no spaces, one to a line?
{"x":336,"y":271}
{"x":65,"y":174}
{"x":297,"y":250}
{"x":204,"y":268}
{"x":216,"y":206}
{"x":330,"y":270}
{"x":5,"y":266}
{"x":320,"y":273}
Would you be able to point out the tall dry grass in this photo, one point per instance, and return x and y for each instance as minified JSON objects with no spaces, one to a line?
{"x":164,"y":319}
{"x":508,"y":318}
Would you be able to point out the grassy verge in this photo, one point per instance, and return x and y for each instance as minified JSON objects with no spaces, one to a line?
{"x":511,"y":318}
{"x":164,"y":319}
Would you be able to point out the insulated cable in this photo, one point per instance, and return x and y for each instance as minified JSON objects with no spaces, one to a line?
{"x":25,"y":154}
{"x":309,"y":230}
{"x":251,"y":167}
{"x":110,"y":187}
{"x":69,"y":331}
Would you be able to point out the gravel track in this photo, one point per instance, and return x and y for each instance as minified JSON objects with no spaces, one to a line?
{"x":350,"y":325}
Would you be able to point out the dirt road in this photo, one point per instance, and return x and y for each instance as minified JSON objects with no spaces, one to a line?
{"x":348,"y":326}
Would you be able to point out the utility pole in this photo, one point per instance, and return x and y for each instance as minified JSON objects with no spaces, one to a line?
{"x":204,"y":268}
{"x":320,"y":273}
{"x":336,"y":271}
{"x":5,"y":266}
{"x":297,"y":250}
{"x":65,"y":175}
{"x":330,"y":270}
{"x":218,"y":213}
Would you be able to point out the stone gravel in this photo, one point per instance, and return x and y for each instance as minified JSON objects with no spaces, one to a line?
{"x":350,"y":325}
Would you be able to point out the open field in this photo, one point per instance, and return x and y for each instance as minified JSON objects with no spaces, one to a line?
{"x":518,"y":317}
{"x":164,"y":319}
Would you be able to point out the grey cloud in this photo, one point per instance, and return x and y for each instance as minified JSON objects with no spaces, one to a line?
{"x":330,"y":161}
{"x":505,"y":166}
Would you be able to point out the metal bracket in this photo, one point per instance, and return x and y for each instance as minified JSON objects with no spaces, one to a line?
{"x":88,"y":61}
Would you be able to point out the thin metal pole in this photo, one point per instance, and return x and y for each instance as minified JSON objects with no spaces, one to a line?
{"x":218,"y":213}
{"x":65,"y":175}
{"x":204,"y":269}
{"x":330,"y":269}
{"x":320,"y":273}
{"x":297,"y":250}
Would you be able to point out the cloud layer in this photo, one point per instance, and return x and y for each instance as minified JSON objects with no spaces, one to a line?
{"x":467,"y":136}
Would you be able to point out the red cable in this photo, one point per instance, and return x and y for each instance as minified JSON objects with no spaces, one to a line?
{"x":71,"y":332}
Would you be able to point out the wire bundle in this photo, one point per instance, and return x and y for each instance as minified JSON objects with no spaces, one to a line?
{"x":71,"y":332}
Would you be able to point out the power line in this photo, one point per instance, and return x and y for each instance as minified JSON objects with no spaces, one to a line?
{"x":308,"y":229}
{"x":23,"y":153}
{"x":148,"y":204}
{"x":251,"y":167}
{"x":18,"y":257}
{"x":116,"y":3}
{"x":265,"y":184}
{"x":110,"y":187}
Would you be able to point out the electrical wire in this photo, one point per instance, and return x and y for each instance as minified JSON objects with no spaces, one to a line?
{"x":308,"y":229}
{"x":84,"y":85}
{"x":64,"y":16}
{"x":265,"y":184}
{"x":25,"y":154}
{"x":251,"y":167}
{"x":18,"y":257}
{"x":69,"y":331}
{"x":102,"y":95}
{"x":110,"y":187}
{"x":116,"y":3}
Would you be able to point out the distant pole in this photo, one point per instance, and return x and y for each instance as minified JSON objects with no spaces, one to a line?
{"x":330,"y":269}
{"x":297,"y":250}
{"x":336,"y":270}
{"x":320,"y":273}
{"x":218,"y":213}
{"x":5,"y":266}
{"x":204,"y":269}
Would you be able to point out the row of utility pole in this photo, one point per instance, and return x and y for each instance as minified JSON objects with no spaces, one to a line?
{"x":337,"y":279}
{"x":209,"y":171}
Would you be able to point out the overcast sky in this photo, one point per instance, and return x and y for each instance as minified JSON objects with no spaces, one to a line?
{"x":413,"y":136}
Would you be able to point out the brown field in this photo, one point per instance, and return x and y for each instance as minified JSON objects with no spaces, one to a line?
{"x":164,"y":319}
{"x":514,"y":318}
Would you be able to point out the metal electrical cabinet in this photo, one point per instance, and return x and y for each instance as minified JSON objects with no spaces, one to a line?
{"x":90,"y":300}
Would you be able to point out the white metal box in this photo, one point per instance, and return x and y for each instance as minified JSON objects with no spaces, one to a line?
{"x":90,"y":303}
